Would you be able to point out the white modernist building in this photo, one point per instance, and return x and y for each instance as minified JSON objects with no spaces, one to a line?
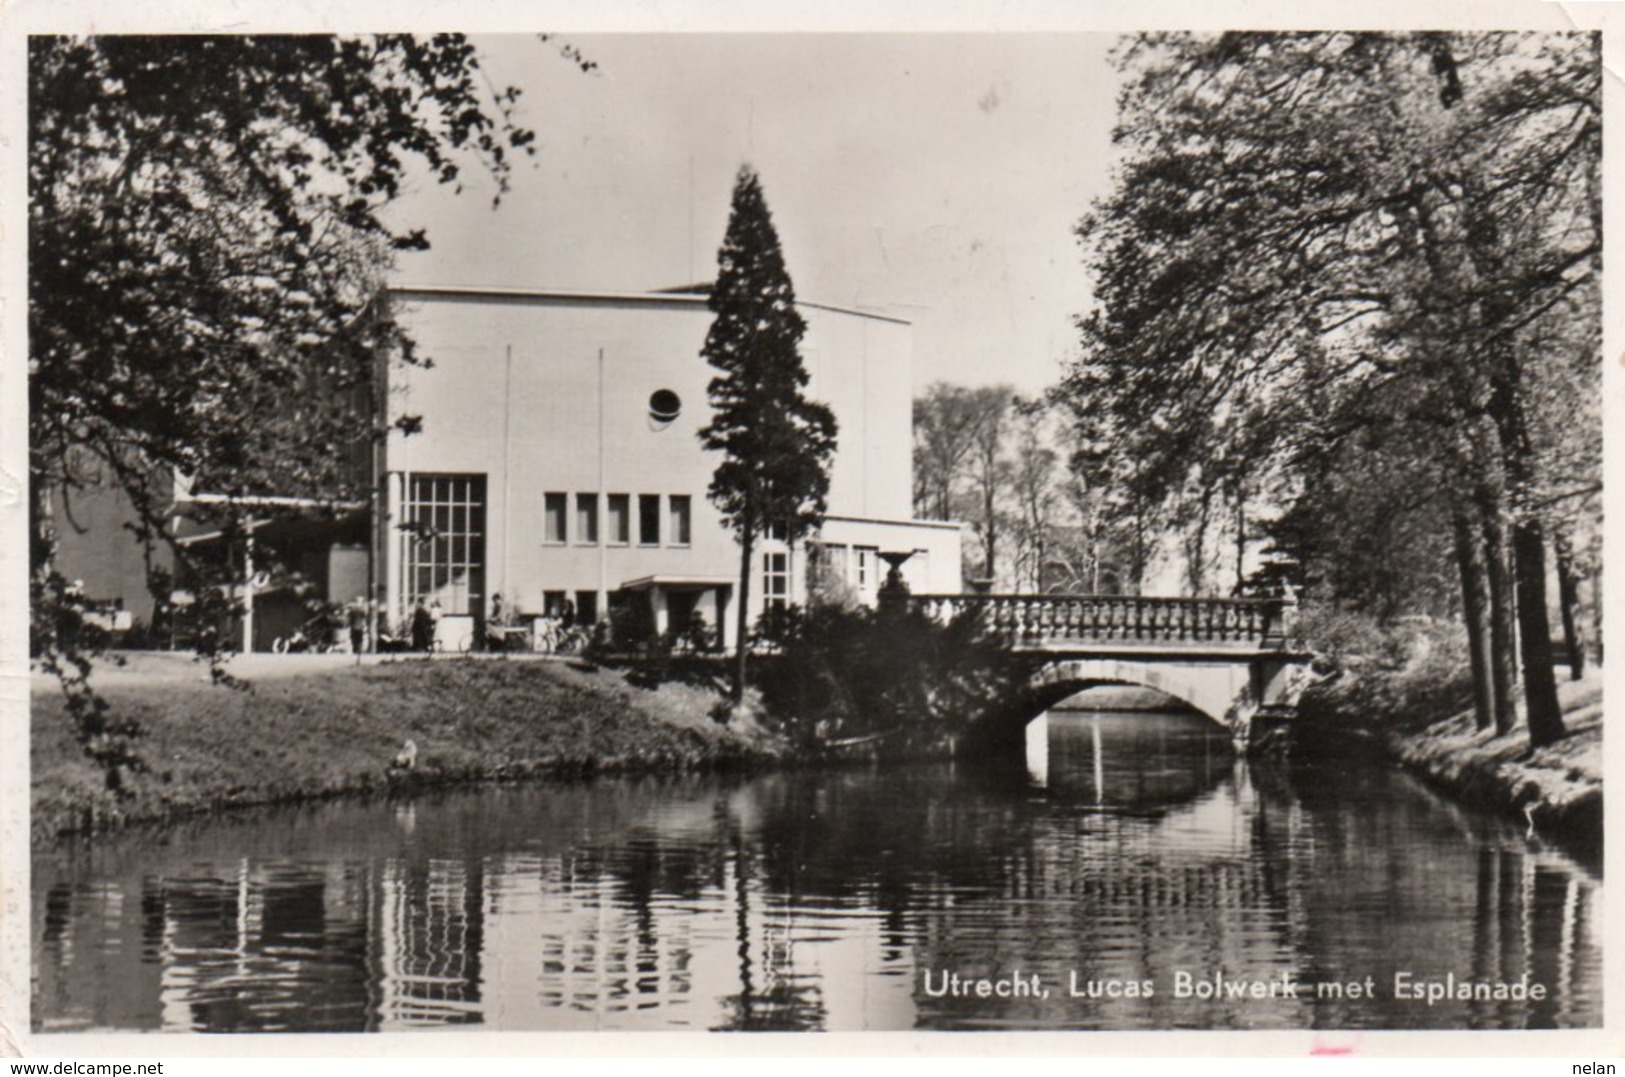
{"x":558,"y":463}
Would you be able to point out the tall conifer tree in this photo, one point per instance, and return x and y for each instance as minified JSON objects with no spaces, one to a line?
{"x":776,"y":443}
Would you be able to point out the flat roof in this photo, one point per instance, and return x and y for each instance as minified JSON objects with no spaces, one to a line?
{"x":949,"y":525}
{"x":678,"y":583}
{"x":653,"y":299}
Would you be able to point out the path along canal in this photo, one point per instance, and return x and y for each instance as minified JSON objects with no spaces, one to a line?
{"x":1133,"y":875}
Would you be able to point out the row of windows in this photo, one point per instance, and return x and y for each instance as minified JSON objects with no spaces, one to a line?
{"x":557,"y":529}
{"x":857,"y":565}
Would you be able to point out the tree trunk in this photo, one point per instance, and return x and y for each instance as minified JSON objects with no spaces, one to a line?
{"x":1534,"y":633}
{"x":747,"y":542}
{"x":1568,"y":600}
{"x":1503,"y":634}
{"x":1475,"y":610}
{"x":1596,"y":611}
{"x":42,"y":526}
{"x":1517,"y":455}
{"x":990,"y":536}
{"x":1241,"y":538}
{"x":1138,"y":566}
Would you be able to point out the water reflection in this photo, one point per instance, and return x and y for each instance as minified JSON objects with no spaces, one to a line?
{"x":826,"y":900}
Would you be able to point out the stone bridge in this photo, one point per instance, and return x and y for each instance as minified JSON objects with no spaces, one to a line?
{"x":1232,"y":659}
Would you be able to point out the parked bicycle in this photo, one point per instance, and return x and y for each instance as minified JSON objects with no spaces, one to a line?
{"x":315,"y":636}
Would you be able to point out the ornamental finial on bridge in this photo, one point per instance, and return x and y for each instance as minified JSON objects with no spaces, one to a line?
{"x":894,"y":588}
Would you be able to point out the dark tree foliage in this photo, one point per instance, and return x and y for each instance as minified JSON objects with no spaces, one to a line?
{"x":890,"y":679}
{"x":206,"y":249}
{"x":1370,"y":259}
{"x":776,"y":444}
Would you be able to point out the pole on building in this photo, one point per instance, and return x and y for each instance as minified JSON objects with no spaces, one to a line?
{"x":603,"y":502}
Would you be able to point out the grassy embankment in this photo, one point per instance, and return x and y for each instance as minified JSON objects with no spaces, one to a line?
{"x":1411,"y":695}
{"x":334,"y":728}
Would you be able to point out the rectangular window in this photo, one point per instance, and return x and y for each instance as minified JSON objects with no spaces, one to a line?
{"x":836,"y":561}
{"x":620,"y":519}
{"x":586,"y":607}
{"x":445,"y":541}
{"x":868,"y":556}
{"x":648,"y":519}
{"x":553,"y":523}
{"x":775,"y":580}
{"x":826,"y":564}
{"x":587,"y":519}
{"x":678,"y":533}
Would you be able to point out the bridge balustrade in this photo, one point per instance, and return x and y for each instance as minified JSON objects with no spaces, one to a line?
{"x":1035,"y":620}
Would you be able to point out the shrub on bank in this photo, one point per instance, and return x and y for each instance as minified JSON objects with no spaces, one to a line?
{"x":890,"y":677}
{"x":1377,"y":675}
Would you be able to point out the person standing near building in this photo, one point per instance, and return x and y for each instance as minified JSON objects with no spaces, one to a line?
{"x":494,"y":624}
{"x":422,"y":627}
{"x":356,"y":614}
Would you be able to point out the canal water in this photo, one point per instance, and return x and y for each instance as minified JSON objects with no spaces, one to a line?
{"x":1132,"y":875}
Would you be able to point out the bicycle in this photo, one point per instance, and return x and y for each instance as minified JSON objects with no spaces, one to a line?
{"x":572,"y":640}
{"x":301,"y":641}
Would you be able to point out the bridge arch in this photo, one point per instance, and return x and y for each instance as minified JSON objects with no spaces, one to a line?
{"x":1213,"y":689}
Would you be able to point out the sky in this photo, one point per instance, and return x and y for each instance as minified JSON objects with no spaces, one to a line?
{"x":933,"y":177}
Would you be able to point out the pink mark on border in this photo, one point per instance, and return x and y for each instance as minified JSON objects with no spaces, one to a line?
{"x":1321,"y":1049}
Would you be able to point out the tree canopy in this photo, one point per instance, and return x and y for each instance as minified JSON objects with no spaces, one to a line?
{"x":776,"y":444}
{"x":205,"y":239}
{"x":206,"y":248}
{"x":1333,"y":247}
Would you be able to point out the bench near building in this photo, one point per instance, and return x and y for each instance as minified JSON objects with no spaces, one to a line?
{"x":558,"y":462}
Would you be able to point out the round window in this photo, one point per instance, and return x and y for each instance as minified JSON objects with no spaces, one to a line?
{"x":664,"y":405}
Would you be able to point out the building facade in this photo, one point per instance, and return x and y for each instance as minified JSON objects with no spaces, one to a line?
{"x":558,"y":465}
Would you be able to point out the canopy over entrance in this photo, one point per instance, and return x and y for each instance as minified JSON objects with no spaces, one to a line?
{"x":674,"y":601}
